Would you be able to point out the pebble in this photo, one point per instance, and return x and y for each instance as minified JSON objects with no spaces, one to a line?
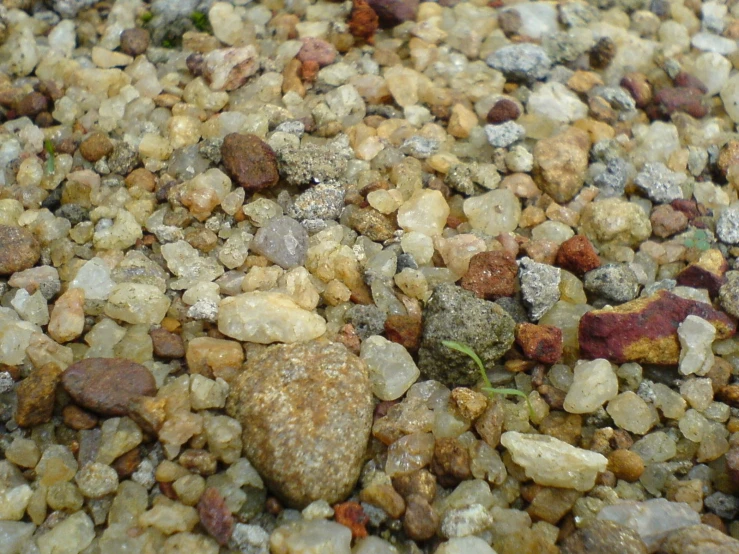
{"x":494,"y":212}
{"x":166,"y":344}
{"x":667,"y":221}
{"x":464,"y":522}
{"x":134,"y":41}
{"x":523,"y":62}
{"x":279,"y":397}
{"x":631,"y":413}
{"x":696,"y":539}
{"x":612,"y":181}
{"x":555,"y":101}
{"x":539,"y":286}
{"x":606,"y":537}
{"x":311,"y":536}
{"x":322,"y":201}
{"x":577,"y":255}
{"x":32,"y":104}
{"x":71,"y":535}
{"x":696,"y":339}
{"x":282,"y":241}
{"x":504,"y":134}
{"x":594,"y":384}
{"x":541,"y":343}
{"x":36,"y":396}
{"x":317,"y":50}
{"x":503,"y":110}
{"x":455,"y":314}
{"x":626,"y":465}
{"x":615,"y":221}
{"x":420,"y":521}
{"x":552,"y":462}
{"x":311,"y":164}
{"x":491,"y":275}
{"x":465,"y":545}
{"x":107,"y":385}
{"x":727,"y":226}
{"x":614,"y":282}
{"x":425,"y":212}
{"x":560,"y":163}
{"x":249,"y":161}
{"x":659,"y":183}
{"x":227,"y":69}
{"x":20,"y":249}
{"x":392,"y":370}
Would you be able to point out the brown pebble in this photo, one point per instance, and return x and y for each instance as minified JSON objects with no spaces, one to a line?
{"x":626,"y":465}
{"x":127,"y":464}
{"x":639,"y":88}
{"x":36,"y":396}
{"x":470,"y":404}
{"x":141,"y":178}
{"x":135,"y":41}
{"x":554,"y":397}
{"x":394,"y":12}
{"x":385,"y":497}
{"x":421,"y":520}
{"x":667,"y":221}
{"x":602,"y":53}
{"x":491,"y":275}
{"x":405,"y":330}
{"x":351,"y":515}
{"x":688,"y":100}
{"x":107,"y":385}
{"x":250,"y":161}
{"x":563,"y":426}
{"x":686,"y":80}
{"x":728,"y":156}
{"x":714,"y":521}
{"x":577,"y":255}
{"x":166,"y":344}
{"x":32,"y":104}
{"x":317,"y":50}
{"x":78,"y":419}
{"x":490,"y":424}
{"x":215,"y":516}
{"x":603,"y":537}
{"x":44,"y":119}
{"x":198,"y":461}
{"x":503,"y":110}
{"x":363,"y":21}
{"x":720,"y":373}
{"x":509,"y":22}
{"x":729,"y":394}
{"x":542,"y":343}
{"x":551,"y":505}
{"x":420,"y":482}
{"x":451,"y":462}
{"x":95,"y":147}
{"x":19,"y":249}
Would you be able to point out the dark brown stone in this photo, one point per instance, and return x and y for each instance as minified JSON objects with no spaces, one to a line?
{"x":602,"y":53}
{"x":686,"y":80}
{"x":639,"y":88}
{"x":551,"y":505}
{"x":36,"y":396}
{"x":491,"y":275}
{"x":250,"y":161}
{"x":32,"y":104}
{"x":504,"y":109}
{"x":166,"y":344}
{"x":451,"y":462}
{"x":676,"y":99}
{"x":405,"y":330}
{"x":509,"y":22}
{"x":542,"y":343}
{"x":107,"y":385}
{"x":363,"y":21}
{"x":603,"y":537}
{"x":128,"y":463}
{"x":19,"y":249}
{"x":645,"y":330}
{"x":577,"y":255}
{"x":95,"y":147}
{"x":730,"y":395}
{"x":78,"y":419}
{"x":421,"y":520}
{"x":394,"y":12}
{"x":707,"y":272}
{"x":135,"y":41}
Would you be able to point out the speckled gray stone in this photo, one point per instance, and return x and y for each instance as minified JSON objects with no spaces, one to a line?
{"x":724,"y":505}
{"x":367,"y":320}
{"x":603,"y":537}
{"x":504,"y":134}
{"x":539,"y":286}
{"x":323,"y":201}
{"x":419,"y":147}
{"x":612,"y":181}
{"x":728,"y":294}
{"x":123,"y":159}
{"x":456,"y":314}
{"x":727,"y":226}
{"x":311,"y":164}
{"x":614,"y":282}
{"x":525,"y":61}
{"x":306,"y":411}
{"x":282,"y":241}
{"x":659,"y":183}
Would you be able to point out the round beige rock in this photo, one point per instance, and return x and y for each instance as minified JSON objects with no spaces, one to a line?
{"x":306,"y":411}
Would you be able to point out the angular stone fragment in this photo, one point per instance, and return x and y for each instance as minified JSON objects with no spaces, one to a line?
{"x":137,"y":304}
{"x":107,"y":385}
{"x":19,"y":249}
{"x":577,"y":255}
{"x":561,"y":162}
{"x":36,"y":396}
{"x":542,"y":343}
{"x":707,"y":272}
{"x":699,"y":539}
{"x":615,"y":221}
{"x":645,"y":330}
{"x":539,"y":286}
{"x":491,"y":275}
{"x":594,"y":384}
{"x":394,"y":12}
{"x":250,"y":161}
{"x":603,"y":537}
{"x":552,"y":462}
{"x":229,"y":68}
{"x":696,"y":337}
{"x":282,"y":241}
{"x":305,"y":408}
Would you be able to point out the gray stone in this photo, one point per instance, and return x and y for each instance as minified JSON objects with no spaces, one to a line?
{"x":306,"y":411}
{"x":123,"y":159}
{"x":282,"y":241}
{"x":323,"y":201}
{"x":612,"y":181}
{"x":294,"y":127}
{"x":603,"y":537}
{"x":577,"y":14}
{"x":69,"y":9}
{"x":505,"y":134}
{"x":525,"y":61}
{"x":311,"y":164}
{"x":460,"y":178}
{"x":513,"y":306}
{"x":726,"y":506}
{"x":455,"y":314}
{"x":614,"y":282}
{"x":539,"y":286}
{"x":729,"y":294}
{"x":659,"y":183}
{"x":727,"y":227}
{"x":617,"y":97}
{"x":419,"y":147}
{"x":367,"y":320}
{"x":211,"y":149}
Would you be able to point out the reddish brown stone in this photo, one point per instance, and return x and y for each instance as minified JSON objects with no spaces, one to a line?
{"x":405,"y":330}
{"x":504,"y":109}
{"x":421,"y":521}
{"x":19,"y":249}
{"x":125,"y":465}
{"x":250,"y":161}
{"x":351,"y":515}
{"x":542,"y":343}
{"x":107,"y":385}
{"x":645,"y":330}
{"x":78,"y":419}
{"x":638,"y":87}
{"x":577,"y":255}
{"x":708,"y":272}
{"x":36,"y":396}
{"x":491,"y":275}
{"x":309,"y":71}
{"x":317,"y":50}
{"x":667,"y":221}
{"x":688,"y":100}
{"x":394,"y":12}
{"x":166,"y":344}
{"x":451,"y":462}
{"x":95,"y":147}
{"x":690,"y":208}
{"x":686,"y":80}
{"x":215,"y":516}
{"x":32,"y":104}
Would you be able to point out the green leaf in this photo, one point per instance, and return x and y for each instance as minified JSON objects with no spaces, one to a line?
{"x":201,"y":22}
{"x":50,"y":161}
{"x":146,"y":17}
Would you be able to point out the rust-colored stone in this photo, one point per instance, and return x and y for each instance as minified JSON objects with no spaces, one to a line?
{"x":542,"y":343}
{"x":19,"y":249}
{"x":166,"y":344}
{"x":78,"y":419}
{"x":451,"y":462}
{"x":491,"y":275}
{"x":503,"y":110}
{"x":351,"y":515}
{"x":363,"y":21}
{"x":36,"y":395}
{"x":645,"y":330}
{"x":577,"y":255}
{"x":215,"y":516}
{"x":626,"y":465}
{"x":730,"y":395}
{"x":707,"y":272}
{"x":250,"y":161}
{"x":405,"y":330}
{"x":688,"y":100}
{"x":125,"y":465}
{"x":95,"y":147}
{"x":639,"y":88}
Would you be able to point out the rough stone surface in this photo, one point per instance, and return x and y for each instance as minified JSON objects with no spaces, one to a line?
{"x":560,"y":163}
{"x":614,"y":282}
{"x":249,"y":161}
{"x":645,"y":330}
{"x":542,"y":343}
{"x":524,"y":62}
{"x":659,"y":183}
{"x":491,"y":275}
{"x":283,"y":241}
{"x":107,"y":385}
{"x":615,"y":221}
{"x":707,"y":272}
{"x":539,"y":286}
{"x":311,"y":164}
{"x":604,"y":537}
{"x":304,"y":408}
{"x":36,"y":396}
{"x":577,"y":255}
{"x":457,"y":315}
{"x":19,"y":249}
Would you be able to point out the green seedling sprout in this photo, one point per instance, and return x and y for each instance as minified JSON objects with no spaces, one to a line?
{"x":488,"y":388}
{"x":200,"y":20}
{"x":50,"y":162}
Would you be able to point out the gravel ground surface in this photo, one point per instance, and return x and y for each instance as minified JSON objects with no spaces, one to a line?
{"x":236,"y":238}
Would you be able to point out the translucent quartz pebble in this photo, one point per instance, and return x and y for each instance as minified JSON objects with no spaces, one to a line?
{"x":594,"y":384}
{"x":391,"y":368}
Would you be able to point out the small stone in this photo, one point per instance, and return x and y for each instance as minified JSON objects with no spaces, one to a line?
{"x":552,"y":462}
{"x":363,"y":21}
{"x":226,"y":69}
{"x":123,"y":159}
{"x":493,"y":213}
{"x":70,"y":536}
{"x":322,"y":201}
{"x":134,"y":41}
{"x":280,"y":396}
{"x":316,"y":536}
{"x":554,"y":101}
{"x":539,"y":286}
{"x":96,"y":480}
{"x":659,"y":183}
{"x":626,"y":465}
{"x":723,"y":505}
{"x":465,"y":545}
{"x":577,"y":255}
{"x":631,"y":413}
{"x":503,"y":110}
{"x":67,"y":320}
{"x":249,"y":161}
{"x":137,"y":304}
{"x":615,"y":221}
{"x":522,"y":62}
{"x":394,"y":12}
{"x":729,"y":295}
{"x":19,"y":249}
{"x":699,"y":539}
{"x":32,"y":104}
{"x":380,"y":493}
{"x":491,"y":275}
{"x":215,"y":515}
{"x":310,"y":164}
{"x":667,"y":221}
{"x":317,"y":50}
{"x":420,"y":521}
{"x":504,"y":134}
{"x":594,"y":384}
{"x":614,"y":282}
{"x":541,"y":343}
{"x":425,"y":212}
{"x":602,"y":53}
{"x":282,"y":241}
{"x":107,"y":385}
{"x":405,"y":330}
{"x":36,"y":396}
{"x":451,"y":462}
{"x":560,"y":163}
{"x":95,"y":147}
{"x":351,"y":515}
{"x":604,"y":537}
{"x":167,"y":345}
{"x":467,"y":521}
{"x":391,"y":368}
{"x":696,"y":338}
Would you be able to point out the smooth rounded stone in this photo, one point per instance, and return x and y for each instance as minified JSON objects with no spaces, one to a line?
{"x":494,"y":212}
{"x":523,"y":62}
{"x":709,"y":42}
{"x":249,"y":161}
{"x":374,"y":545}
{"x":631,"y":413}
{"x":282,"y":241}
{"x":304,"y":408}
{"x":696,"y":337}
{"x":616,"y":221}
{"x":465,"y":545}
{"x":107,"y":385}
{"x":392,"y":370}
{"x":135,"y":41}
{"x":552,"y":462}
{"x":504,"y":134}
{"x":555,"y":101}
{"x":19,"y":249}
{"x":653,"y":519}
{"x":659,"y":183}
{"x":655,"y":448}
{"x":267,"y":317}
{"x":14,"y":535}
{"x":96,"y":480}
{"x":713,"y":70}
{"x":312,"y":536}
{"x":614,"y":282}
{"x":425,"y":212}
{"x":539,"y":286}
{"x":603,"y":537}
{"x":137,"y":304}
{"x":594,"y":384}
{"x":455,"y":314}
{"x":70,"y":536}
